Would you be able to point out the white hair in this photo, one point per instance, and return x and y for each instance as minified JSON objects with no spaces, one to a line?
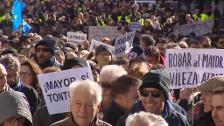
{"x":146,"y":119}
{"x":89,"y":87}
{"x":110,"y":73}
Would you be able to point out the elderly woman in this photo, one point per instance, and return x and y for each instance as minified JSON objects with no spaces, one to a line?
{"x":85,"y":99}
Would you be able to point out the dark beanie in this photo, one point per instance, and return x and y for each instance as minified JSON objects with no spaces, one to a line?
{"x":77,"y":61}
{"x":102,"y":48}
{"x":138,"y":52}
{"x":157,"y":79}
{"x":50,"y":43}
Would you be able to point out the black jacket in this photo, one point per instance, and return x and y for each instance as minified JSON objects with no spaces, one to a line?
{"x":172,"y":117}
{"x":31,"y":95}
{"x":113,"y":114}
{"x":205,"y":120}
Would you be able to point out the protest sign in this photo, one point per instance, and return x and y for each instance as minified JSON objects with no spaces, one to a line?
{"x":199,"y":28}
{"x":123,"y":44}
{"x":135,"y":26}
{"x":95,"y":44}
{"x":97,"y":32}
{"x":55,"y":87}
{"x":191,"y":67}
{"x":76,"y":37}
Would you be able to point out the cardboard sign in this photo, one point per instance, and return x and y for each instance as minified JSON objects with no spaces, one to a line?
{"x":135,"y":26}
{"x":123,"y":44}
{"x":95,"y":44}
{"x":55,"y":87}
{"x":97,"y":32}
{"x":192,"y":67}
{"x":199,"y":28}
{"x":76,"y":37}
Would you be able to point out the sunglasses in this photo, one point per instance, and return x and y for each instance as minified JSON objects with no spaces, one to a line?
{"x":154,"y":94}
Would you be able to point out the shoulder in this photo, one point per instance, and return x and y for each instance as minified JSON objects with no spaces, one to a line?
{"x":65,"y":122}
{"x":102,"y":123}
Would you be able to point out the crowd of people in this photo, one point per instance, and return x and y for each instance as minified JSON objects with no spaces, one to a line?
{"x":132,"y":90}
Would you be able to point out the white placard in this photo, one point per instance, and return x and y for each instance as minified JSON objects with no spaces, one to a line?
{"x":98,"y":32}
{"x":76,"y":37}
{"x":95,"y":44}
{"x":192,"y":67}
{"x":199,"y":28}
{"x":55,"y":87}
{"x":123,"y":44}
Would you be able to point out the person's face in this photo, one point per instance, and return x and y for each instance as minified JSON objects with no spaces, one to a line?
{"x":14,"y":121}
{"x":220,"y":43}
{"x":155,"y":100}
{"x":84,"y":107}
{"x":104,"y":58}
{"x":43,"y":54}
{"x":60,"y":58}
{"x":206,"y":98}
{"x":12,"y":77}
{"x":205,"y":44}
{"x":26,"y":75}
{"x":3,"y":79}
{"x":151,"y":60}
{"x":218,"y":109}
{"x":132,"y":96}
{"x":161,"y":47}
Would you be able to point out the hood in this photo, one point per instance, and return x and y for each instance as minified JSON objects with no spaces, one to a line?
{"x":14,"y":103}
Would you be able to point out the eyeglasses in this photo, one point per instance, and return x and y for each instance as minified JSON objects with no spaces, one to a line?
{"x":42,"y":49}
{"x":154,"y":94}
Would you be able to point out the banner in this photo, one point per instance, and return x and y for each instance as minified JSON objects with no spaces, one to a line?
{"x":95,"y":44}
{"x":55,"y":87}
{"x":123,"y":44}
{"x":135,"y":26}
{"x":192,"y":67}
{"x":76,"y":37}
{"x":97,"y":32}
{"x":17,"y":8}
{"x":198,"y":28}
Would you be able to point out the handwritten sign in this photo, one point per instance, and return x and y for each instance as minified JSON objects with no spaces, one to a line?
{"x":76,"y":37}
{"x":95,"y":44}
{"x":97,"y":32}
{"x":123,"y":44}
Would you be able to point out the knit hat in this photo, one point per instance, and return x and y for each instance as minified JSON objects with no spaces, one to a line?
{"x":102,"y":48}
{"x":77,"y":61}
{"x":213,"y":84}
{"x":157,"y":79}
{"x":50,"y":43}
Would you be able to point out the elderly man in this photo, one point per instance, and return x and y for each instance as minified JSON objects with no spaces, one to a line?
{"x":207,"y":92}
{"x":218,"y":107}
{"x":145,"y":119}
{"x":85,"y":97}
{"x":3,"y":80}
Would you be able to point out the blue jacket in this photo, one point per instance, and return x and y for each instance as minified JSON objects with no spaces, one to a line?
{"x":170,"y":114}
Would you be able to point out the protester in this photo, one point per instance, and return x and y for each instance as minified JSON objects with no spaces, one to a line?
{"x":86,"y":97}
{"x":124,"y":93}
{"x":13,"y":79}
{"x":206,"y":97}
{"x":45,"y":50}
{"x":145,"y":119}
{"x":217,"y":107}
{"x":3,"y":83}
{"x":155,"y":99}
{"x":14,"y":109}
